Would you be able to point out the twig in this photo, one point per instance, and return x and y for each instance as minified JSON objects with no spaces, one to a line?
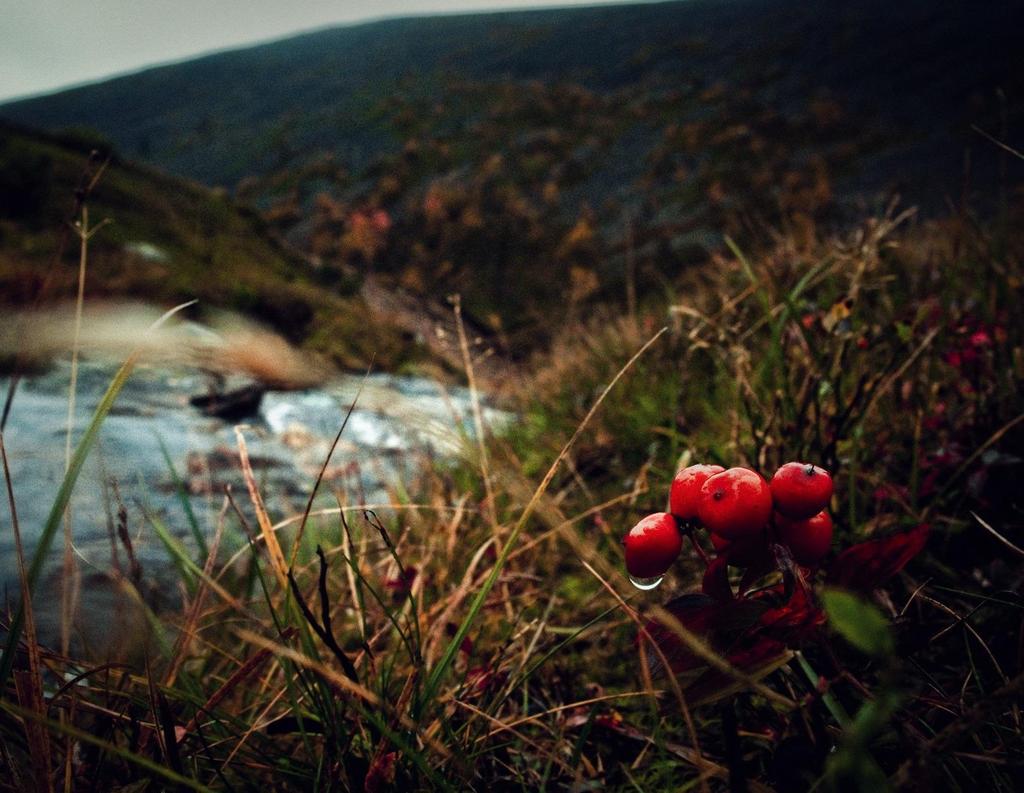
{"x":997,"y":142}
{"x":997,"y":535}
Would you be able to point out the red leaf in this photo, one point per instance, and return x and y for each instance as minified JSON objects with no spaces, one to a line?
{"x":755,"y":573}
{"x":381,"y":775}
{"x":716,"y":580}
{"x":715,"y":622}
{"x":794,"y":619}
{"x":696,"y":613}
{"x":750,"y":659}
{"x":867,"y":566}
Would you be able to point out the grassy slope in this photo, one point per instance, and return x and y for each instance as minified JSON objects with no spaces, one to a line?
{"x":206,"y":248}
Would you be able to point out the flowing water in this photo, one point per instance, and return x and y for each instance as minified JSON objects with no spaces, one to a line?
{"x":399,"y":426}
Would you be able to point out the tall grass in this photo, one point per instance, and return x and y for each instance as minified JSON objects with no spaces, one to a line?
{"x":478,"y":631}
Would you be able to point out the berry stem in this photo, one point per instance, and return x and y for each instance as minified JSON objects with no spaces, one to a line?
{"x":696,"y":546}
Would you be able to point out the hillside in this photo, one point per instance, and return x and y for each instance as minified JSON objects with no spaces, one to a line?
{"x":223,"y":117}
{"x":163,"y":239}
{"x":536,"y":160}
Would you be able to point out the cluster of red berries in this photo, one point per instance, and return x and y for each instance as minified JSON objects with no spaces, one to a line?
{"x":743,"y":513}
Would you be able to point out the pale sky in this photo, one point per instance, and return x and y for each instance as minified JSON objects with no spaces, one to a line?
{"x":50,"y":44}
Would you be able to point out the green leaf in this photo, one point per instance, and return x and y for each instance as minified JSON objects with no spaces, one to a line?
{"x":860,"y":623}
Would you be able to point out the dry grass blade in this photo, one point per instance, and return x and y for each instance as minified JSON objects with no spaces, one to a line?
{"x":456,"y":599}
{"x":195,"y":610}
{"x":546,"y":482}
{"x":561,"y":527}
{"x":328,"y":511}
{"x":478,"y":420}
{"x":323,"y":469}
{"x":542,"y":750}
{"x":478,"y":427}
{"x":992,"y":439}
{"x":1015,"y":548}
{"x":400,"y":706}
{"x":894,"y":378}
{"x":348,"y":551}
{"x":277,"y":561}
{"x":30,"y":698}
{"x":259,"y":722}
{"x":686,"y":754}
{"x":959,"y":620}
{"x":371,"y":507}
{"x":1004,"y":146}
{"x":478,"y":601}
{"x":953,"y":732}
{"x":700,"y":648}
{"x":29,"y":695}
{"x":87,"y":181}
{"x":341,"y":681}
{"x":569,"y":706}
{"x":239,"y":676}
{"x":29,"y":686}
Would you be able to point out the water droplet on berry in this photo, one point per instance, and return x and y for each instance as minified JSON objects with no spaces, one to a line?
{"x":646,"y":584}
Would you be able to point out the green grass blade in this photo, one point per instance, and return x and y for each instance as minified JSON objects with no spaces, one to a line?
{"x":834,"y":707}
{"x":55,"y":518}
{"x":187,"y":568}
{"x":179,"y":487}
{"x":762,"y":295}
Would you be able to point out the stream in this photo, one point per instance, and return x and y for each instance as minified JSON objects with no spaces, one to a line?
{"x":154,"y":450}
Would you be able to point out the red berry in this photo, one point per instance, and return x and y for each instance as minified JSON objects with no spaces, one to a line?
{"x":801,"y":490}
{"x":809,"y":540}
{"x":652,"y":545}
{"x":742,"y":553}
{"x":735,"y":503}
{"x":684,"y":496}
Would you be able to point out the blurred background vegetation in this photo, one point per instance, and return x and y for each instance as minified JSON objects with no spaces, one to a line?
{"x":537,"y":163}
